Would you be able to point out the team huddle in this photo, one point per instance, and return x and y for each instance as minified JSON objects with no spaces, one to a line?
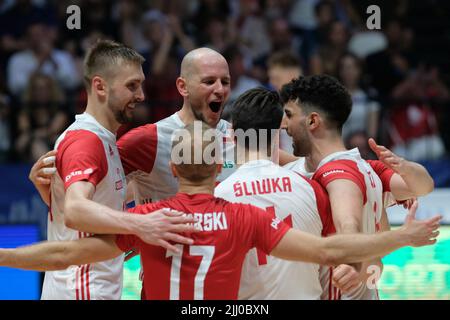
{"x":255,"y":223}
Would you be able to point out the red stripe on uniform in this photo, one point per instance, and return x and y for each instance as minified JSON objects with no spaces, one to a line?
{"x":82,"y":282}
{"x":77,"y":292}
{"x":50,"y":206}
{"x":88,"y":292}
{"x":330,"y":285}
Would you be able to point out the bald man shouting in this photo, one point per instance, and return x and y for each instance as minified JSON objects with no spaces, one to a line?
{"x":145,"y":151}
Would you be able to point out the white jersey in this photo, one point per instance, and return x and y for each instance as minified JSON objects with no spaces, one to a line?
{"x":86,"y":152}
{"x":146,"y":152}
{"x":373,"y":179}
{"x":300,"y":203}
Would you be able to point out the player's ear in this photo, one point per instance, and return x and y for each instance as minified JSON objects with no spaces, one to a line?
{"x":182,"y":86}
{"x":173,"y":168}
{"x":98,"y":85}
{"x":219,"y":168}
{"x":313,"y":120}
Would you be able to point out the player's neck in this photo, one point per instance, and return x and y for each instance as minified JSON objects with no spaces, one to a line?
{"x":245,"y":155}
{"x":194,"y":188}
{"x":321,"y":149}
{"x":104,"y":117}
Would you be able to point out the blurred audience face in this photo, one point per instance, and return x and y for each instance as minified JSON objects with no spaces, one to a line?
{"x":40,"y":89}
{"x":280,"y":34}
{"x":38,"y":36}
{"x":154,"y":31}
{"x":248,"y":7}
{"x":338,"y":34}
{"x":349,"y":71}
{"x":279,"y":75}
{"x":393,"y":33}
{"x":215,"y":28}
{"x":325,"y":14}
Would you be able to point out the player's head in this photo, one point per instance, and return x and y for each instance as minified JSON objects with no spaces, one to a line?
{"x":261,"y":110}
{"x":113,"y":74}
{"x":204,"y":83}
{"x":283,"y":66}
{"x":196,"y":154}
{"x":313,"y":105}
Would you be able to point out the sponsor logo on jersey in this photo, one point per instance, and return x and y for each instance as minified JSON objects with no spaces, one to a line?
{"x":78,"y":173}
{"x":210,"y":221}
{"x":275,"y":223}
{"x":332,"y":172}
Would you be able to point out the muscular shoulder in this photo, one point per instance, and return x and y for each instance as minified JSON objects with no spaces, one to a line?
{"x":138,"y":147}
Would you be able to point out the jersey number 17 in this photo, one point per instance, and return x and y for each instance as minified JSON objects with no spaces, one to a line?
{"x":207,"y":253}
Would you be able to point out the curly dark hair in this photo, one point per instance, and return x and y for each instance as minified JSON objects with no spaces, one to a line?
{"x":323,"y":94}
{"x":257,"y":108}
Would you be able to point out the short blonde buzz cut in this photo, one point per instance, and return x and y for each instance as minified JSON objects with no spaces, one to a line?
{"x":103,"y":58}
{"x":192,"y":142}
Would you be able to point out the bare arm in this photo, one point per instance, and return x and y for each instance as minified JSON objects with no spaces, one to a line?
{"x":157,"y":228}
{"x":410,"y":179}
{"x":59,"y":255}
{"x":349,"y":248}
{"x":346,"y":202}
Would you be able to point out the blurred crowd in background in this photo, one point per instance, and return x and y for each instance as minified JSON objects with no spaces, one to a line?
{"x":398,"y":76}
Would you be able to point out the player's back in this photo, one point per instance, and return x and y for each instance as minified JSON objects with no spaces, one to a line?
{"x":211,"y":267}
{"x":292,"y":198}
{"x":86,"y":152}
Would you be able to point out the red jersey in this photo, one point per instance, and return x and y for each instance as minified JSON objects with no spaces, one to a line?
{"x":211,"y":267}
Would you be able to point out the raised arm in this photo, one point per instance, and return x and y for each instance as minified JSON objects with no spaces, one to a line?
{"x":349,"y":248}
{"x":410,"y":179}
{"x":59,"y":255}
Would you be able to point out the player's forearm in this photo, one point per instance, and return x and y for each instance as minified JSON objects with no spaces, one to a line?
{"x":91,"y":217}
{"x":341,"y":249}
{"x":45,"y":256}
{"x":417,"y":178}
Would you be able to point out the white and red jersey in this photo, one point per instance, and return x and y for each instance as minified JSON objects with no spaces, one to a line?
{"x":373,"y":183}
{"x":292,"y":198}
{"x":211,"y":267}
{"x":86,"y":152}
{"x":146,"y":152}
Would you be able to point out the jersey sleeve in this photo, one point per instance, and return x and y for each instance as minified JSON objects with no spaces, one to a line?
{"x":81,"y":157}
{"x":383,"y":172}
{"x":341,"y":169}
{"x":126,"y":242}
{"x":264,"y":231}
{"x":137,"y":148}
